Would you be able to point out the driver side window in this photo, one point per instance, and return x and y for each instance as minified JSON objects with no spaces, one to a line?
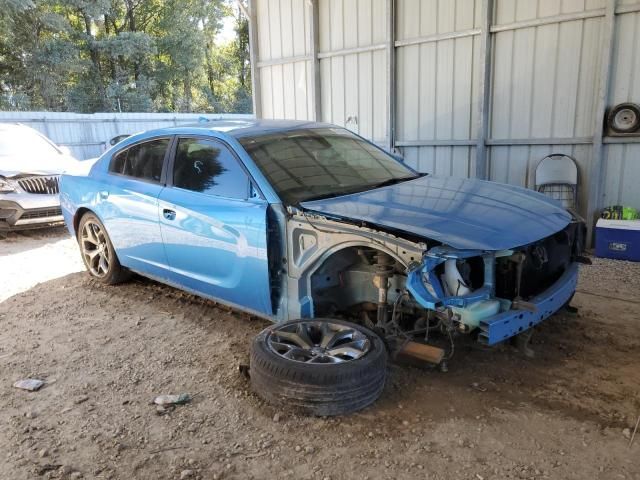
{"x":209,"y":167}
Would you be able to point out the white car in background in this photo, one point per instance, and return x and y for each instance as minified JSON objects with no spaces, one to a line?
{"x":30,"y":169}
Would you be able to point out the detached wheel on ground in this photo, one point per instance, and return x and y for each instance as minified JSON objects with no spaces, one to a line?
{"x":98,"y":253}
{"x":318,"y":366}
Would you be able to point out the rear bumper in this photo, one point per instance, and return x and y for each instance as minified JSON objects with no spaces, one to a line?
{"x":504,"y":325}
{"x":24,"y":211}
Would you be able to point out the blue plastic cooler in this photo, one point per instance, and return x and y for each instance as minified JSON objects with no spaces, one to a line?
{"x":618,"y":239}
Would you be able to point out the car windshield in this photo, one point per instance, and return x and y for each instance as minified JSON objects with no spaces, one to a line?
{"x":308,"y":164}
{"x":22,"y":141}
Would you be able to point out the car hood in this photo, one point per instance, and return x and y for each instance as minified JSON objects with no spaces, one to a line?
{"x":461,"y":213}
{"x":56,"y":164}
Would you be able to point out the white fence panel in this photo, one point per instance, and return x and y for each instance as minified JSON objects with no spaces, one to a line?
{"x":88,"y":135}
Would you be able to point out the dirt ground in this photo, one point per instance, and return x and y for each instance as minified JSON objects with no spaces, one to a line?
{"x":105,"y":352}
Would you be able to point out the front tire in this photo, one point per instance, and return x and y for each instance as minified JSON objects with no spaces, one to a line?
{"x":98,"y":253}
{"x":321,"y":367}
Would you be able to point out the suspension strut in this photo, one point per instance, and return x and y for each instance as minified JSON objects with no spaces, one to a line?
{"x":384,"y":269}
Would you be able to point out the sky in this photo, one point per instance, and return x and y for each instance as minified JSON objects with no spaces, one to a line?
{"x":226,"y":33}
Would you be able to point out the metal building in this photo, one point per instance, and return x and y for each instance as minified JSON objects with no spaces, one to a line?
{"x":481,"y":88}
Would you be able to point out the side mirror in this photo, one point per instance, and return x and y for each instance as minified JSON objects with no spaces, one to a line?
{"x":118,"y":138}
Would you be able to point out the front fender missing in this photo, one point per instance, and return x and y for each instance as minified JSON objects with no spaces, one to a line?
{"x":427,"y":289}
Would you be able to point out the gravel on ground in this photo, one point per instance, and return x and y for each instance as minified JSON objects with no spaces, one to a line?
{"x":106,"y":352}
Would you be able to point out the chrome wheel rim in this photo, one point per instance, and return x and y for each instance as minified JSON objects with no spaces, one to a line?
{"x":95,"y":249}
{"x":318,"y":342}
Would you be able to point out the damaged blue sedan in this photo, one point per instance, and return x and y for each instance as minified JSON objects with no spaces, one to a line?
{"x":344,"y":247}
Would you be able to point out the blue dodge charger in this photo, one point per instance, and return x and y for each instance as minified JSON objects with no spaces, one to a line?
{"x":336,"y":241}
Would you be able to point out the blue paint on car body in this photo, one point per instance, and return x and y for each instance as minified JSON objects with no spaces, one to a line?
{"x":463,"y":213}
{"x":424,"y":283}
{"x":220,"y":248}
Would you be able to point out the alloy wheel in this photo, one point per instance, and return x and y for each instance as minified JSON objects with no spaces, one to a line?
{"x":95,"y":249}
{"x":318,"y":341}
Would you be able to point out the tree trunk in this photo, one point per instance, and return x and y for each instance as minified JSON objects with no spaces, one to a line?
{"x":95,"y":59}
{"x":133,"y":28}
{"x":210,"y":73}
{"x":187,"y":92}
{"x":107,"y":31}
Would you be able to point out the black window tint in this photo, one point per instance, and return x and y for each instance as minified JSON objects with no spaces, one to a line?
{"x":209,"y":167}
{"x":303,"y":164}
{"x":118,"y":161}
{"x":143,"y":160}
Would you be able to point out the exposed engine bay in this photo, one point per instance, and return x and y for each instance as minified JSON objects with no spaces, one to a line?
{"x":407,"y":288}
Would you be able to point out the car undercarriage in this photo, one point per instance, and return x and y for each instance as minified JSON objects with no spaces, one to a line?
{"x":420,"y":290}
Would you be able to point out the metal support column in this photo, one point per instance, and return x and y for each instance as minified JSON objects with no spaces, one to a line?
{"x":256,"y":91}
{"x":315,"y":62}
{"x":484,"y":100}
{"x":597,"y":171}
{"x":391,"y":74}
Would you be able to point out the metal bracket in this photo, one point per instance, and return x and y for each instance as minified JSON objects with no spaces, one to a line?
{"x":425,"y":286}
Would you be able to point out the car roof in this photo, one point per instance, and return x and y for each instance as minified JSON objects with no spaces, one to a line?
{"x":241,"y":128}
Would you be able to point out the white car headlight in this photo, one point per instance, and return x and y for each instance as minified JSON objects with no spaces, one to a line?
{"x":6,"y":186}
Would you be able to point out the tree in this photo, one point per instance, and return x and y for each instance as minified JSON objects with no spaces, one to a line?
{"x":128,"y":55}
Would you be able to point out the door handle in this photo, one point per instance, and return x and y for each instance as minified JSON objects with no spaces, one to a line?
{"x":169,"y":214}
{"x":104,"y":194}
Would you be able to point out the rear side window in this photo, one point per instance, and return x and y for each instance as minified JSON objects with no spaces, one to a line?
{"x":209,"y":167}
{"x":143,"y":160}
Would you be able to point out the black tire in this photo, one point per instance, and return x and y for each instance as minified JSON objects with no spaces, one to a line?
{"x":630,"y":107}
{"x":114,"y":273}
{"x":321,"y":389}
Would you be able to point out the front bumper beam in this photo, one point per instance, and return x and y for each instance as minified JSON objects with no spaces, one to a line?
{"x":425,"y":287}
{"x":504,"y":325}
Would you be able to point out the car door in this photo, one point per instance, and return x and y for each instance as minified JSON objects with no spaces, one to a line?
{"x":213,"y":228}
{"x":128,"y":204}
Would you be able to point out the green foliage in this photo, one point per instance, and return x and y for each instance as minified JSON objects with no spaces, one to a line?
{"x":122,"y":55}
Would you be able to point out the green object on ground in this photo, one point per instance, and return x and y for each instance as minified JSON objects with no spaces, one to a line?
{"x":620,"y":212}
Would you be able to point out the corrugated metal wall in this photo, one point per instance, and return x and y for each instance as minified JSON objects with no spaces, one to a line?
{"x":284,"y":34}
{"x":622,"y":172}
{"x":437,"y":83}
{"x":88,"y":135}
{"x":352,"y":62}
{"x":544,"y":85}
{"x":353,"y":66}
{"x":547,"y":71}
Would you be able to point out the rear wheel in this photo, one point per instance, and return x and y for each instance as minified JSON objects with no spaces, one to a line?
{"x":98,"y":253}
{"x":320,"y":366}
